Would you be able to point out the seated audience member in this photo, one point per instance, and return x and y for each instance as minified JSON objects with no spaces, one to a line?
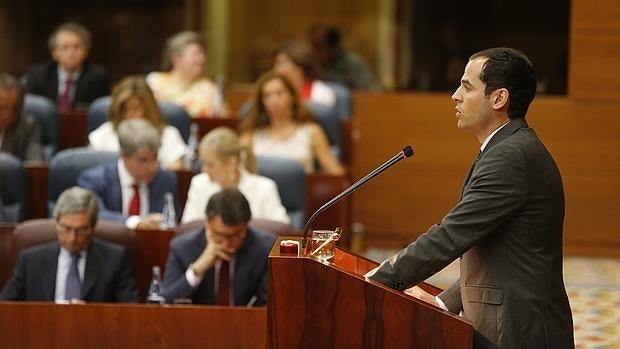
{"x":132,"y":189}
{"x":20,"y":135}
{"x":280,"y":125}
{"x":225,"y":164}
{"x":295,"y":61}
{"x":336,"y":63}
{"x":69,"y":78}
{"x":182,"y":80}
{"x":77,"y":267}
{"x":132,"y":98}
{"x":224,"y":263}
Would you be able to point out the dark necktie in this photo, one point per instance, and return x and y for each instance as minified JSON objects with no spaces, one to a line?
{"x":223,"y":289}
{"x":134,"y":204}
{"x":73,"y":287}
{"x":64,"y":101}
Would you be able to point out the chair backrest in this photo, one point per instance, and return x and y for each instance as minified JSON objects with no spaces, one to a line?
{"x":12,"y":175}
{"x":330,"y":122}
{"x":344,"y":100}
{"x":274,"y":227}
{"x":37,"y":231}
{"x":290,"y":178}
{"x":45,"y":112}
{"x":175,"y":115}
{"x":66,"y":166}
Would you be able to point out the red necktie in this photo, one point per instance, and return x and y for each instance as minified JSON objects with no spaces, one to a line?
{"x":134,"y":204}
{"x":223,"y":289}
{"x":64,"y":101}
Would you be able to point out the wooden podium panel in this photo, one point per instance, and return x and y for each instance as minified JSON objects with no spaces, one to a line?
{"x":331,"y":305}
{"x":34,"y":325}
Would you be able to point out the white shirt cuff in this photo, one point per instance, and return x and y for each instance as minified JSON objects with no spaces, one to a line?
{"x":192,"y":279}
{"x":441,"y":303}
{"x":132,"y":222}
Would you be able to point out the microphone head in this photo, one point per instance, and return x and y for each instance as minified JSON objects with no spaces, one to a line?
{"x":408,"y":151}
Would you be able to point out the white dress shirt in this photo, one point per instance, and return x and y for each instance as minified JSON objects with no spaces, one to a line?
{"x":261,"y":193}
{"x":172,"y":145}
{"x":127,"y":181}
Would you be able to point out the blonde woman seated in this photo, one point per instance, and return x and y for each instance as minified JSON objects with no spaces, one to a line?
{"x":132,"y":98}
{"x":224,"y":164}
{"x":280,"y":125}
{"x":182,"y":80}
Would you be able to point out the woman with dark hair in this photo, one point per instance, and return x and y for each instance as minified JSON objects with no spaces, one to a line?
{"x":295,"y":61}
{"x":280,"y":125}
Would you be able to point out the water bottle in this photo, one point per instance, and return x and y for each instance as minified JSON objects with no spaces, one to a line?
{"x":192,"y":148}
{"x":219,"y":104}
{"x":169,"y":217}
{"x":155,"y":295}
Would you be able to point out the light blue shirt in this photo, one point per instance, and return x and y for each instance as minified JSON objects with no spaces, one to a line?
{"x":64,"y":264}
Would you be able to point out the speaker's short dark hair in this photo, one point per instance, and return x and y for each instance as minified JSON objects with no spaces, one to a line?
{"x":230,"y":205}
{"x":510,"y":69}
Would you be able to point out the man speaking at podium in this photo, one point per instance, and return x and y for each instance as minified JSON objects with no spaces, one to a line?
{"x":507,"y":225}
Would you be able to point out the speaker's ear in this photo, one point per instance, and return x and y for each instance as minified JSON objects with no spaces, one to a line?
{"x":499,"y":99}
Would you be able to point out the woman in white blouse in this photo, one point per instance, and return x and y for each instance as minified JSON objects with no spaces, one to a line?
{"x":132,"y":98}
{"x":226,"y":164}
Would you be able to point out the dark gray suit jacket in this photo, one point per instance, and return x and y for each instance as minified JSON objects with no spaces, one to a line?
{"x":108,"y":276}
{"x":250,"y":268}
{"x":93,"y":82}
{"x":507,"y":227}
{"x":23,"y":139}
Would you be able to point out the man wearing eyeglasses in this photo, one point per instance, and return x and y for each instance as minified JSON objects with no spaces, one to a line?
{"x":77,"y":267}
{"x":224,"y":263}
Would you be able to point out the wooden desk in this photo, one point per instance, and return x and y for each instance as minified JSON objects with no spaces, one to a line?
{"x":6,"y":246}
{"x":47,"y":325}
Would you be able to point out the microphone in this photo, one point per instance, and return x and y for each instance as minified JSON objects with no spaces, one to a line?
{"x":407,"y":152}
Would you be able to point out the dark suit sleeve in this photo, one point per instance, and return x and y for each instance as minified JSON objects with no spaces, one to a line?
{"x":126,"y":290}
{"x":451,"y":297}
{"x":15,"y":288}
{"x":497,"y":191}
{"x":33,"y":148}
{"x":175,"y":284}
{"x":94,"y":180}
{"x":35,"y":81}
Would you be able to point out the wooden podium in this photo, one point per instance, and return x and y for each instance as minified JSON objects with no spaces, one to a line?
{"x":330,"y":305}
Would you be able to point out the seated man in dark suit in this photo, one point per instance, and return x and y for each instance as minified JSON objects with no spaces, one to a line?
{"x":69,"y":77}
{"x":77,"y":267}
{"x":202,"y":263}
{"x":20,"y":135}
{"x":133,"y":189}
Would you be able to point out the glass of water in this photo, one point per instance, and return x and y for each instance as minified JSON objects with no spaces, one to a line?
{"x":324,"y":244}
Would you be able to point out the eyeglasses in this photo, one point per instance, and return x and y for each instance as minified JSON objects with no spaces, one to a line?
{"x":63,"y":229}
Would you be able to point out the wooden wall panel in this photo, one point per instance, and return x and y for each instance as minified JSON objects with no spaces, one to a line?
{"x":257,"y":26}
{"x":583,"y":137}
{"x":595,"y":50}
